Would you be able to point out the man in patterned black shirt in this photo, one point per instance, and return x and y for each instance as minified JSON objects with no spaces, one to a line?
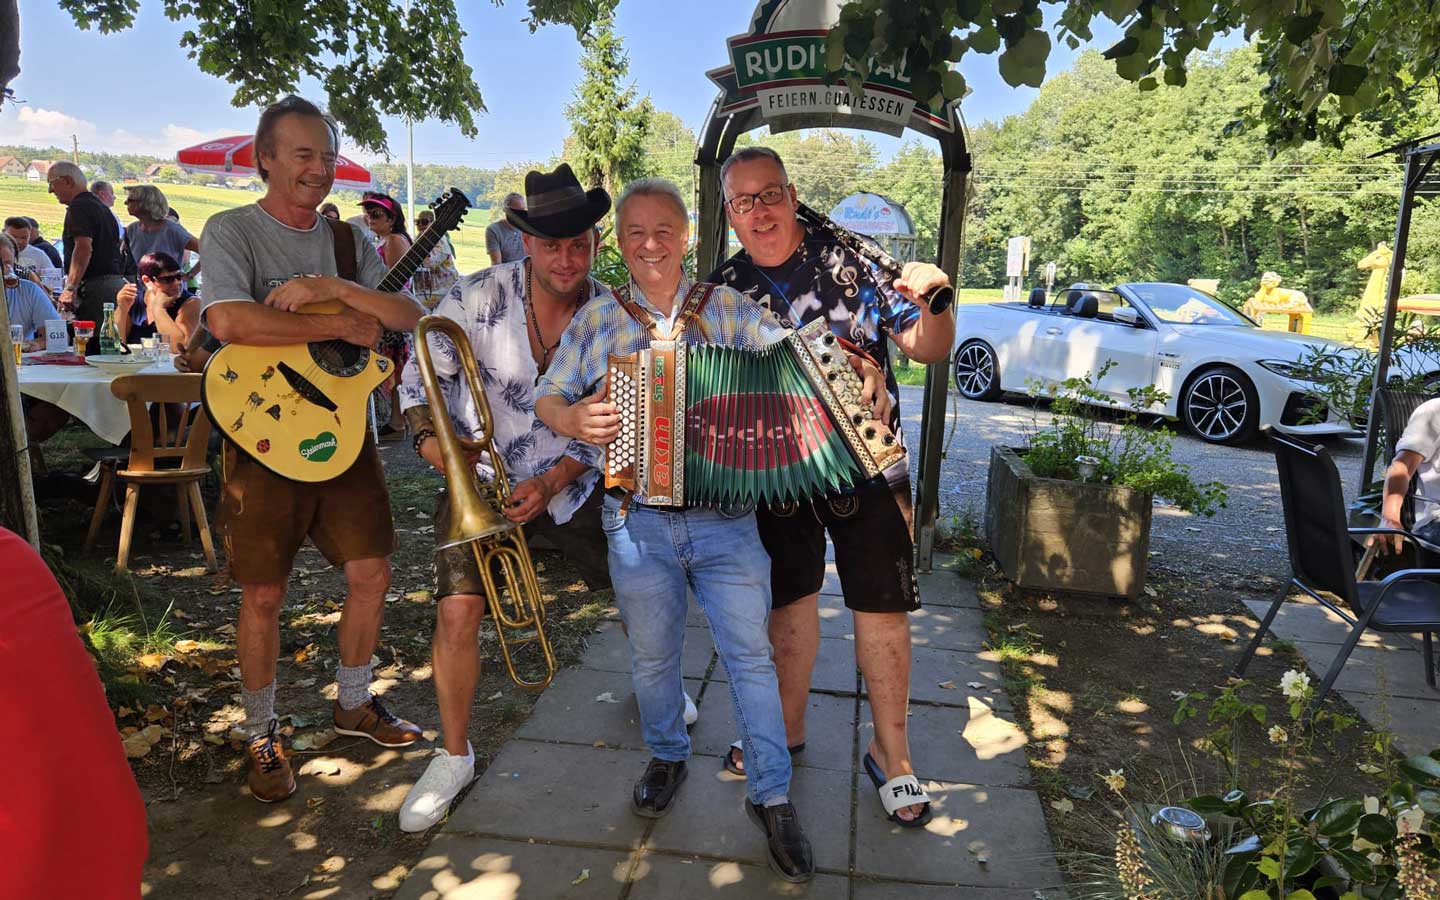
{"x":801,"y":275}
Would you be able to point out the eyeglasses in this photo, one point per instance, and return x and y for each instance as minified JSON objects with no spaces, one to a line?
{"x":172,"y":278}
{"x":374,"y":212}
{"x":743,"y":203}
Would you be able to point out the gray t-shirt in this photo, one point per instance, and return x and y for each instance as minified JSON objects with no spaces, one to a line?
{"x":507,"y":239}
{"x":170,"y":239}
{"x":248,"y":253}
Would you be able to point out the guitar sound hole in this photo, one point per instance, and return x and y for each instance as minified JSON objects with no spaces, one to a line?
{"x":340,"y":358}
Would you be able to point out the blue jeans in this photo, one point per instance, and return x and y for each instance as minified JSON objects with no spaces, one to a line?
{"x":654,"y":555}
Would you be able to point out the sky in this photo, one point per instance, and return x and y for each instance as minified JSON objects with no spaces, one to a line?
{"x":147,"y":97}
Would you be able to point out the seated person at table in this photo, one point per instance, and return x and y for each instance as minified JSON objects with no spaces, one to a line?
{"x":1417,"y":452}
{"x":25,"y":302}
{"x":169,"y":309}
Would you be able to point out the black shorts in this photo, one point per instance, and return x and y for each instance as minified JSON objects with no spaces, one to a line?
{"x":874,"y":553}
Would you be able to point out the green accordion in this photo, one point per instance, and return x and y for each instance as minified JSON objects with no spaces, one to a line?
{"x":707,"y":426}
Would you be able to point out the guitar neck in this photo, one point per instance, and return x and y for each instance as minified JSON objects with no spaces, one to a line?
{"x":407,"y":264}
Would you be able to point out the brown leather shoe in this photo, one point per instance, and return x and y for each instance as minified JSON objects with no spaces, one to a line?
{"x":270,"y":777}
{"x":374,"y":721}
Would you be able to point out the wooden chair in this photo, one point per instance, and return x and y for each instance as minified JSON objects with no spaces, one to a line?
{"x":158,"y":457}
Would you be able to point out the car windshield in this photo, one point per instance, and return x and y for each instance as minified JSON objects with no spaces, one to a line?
{"x":1179,"y":304}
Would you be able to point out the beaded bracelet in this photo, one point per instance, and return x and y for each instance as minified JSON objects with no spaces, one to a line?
{"x":420,"y":437}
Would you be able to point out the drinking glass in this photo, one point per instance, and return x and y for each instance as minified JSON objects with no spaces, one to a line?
{"x":17,"y":341}
{"x":83,"y":334}
{"x":148,"y":348}
{"x":164,"y":355}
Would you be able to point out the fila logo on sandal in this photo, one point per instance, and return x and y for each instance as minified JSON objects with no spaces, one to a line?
{"x":911,"y":790}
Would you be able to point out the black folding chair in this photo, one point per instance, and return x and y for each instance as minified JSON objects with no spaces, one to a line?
{"x":1322,"y":559}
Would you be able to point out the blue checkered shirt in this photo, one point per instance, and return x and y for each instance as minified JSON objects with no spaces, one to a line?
{"x":602,"y":327}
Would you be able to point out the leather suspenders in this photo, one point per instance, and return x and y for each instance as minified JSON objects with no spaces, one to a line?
{"x":694,"y":304}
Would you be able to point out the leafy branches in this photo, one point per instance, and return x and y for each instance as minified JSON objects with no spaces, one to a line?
{"x":1326,"y":60}
{"x":369,"y":54}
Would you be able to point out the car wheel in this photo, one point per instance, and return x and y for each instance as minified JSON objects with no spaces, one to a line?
{"x":1219,"y":405}
{"x":977,"y":371}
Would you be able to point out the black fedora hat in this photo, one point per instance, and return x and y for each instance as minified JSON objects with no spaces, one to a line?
{"x":557,"y":206}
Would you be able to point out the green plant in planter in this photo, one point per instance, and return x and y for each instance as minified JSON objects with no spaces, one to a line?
{"x":1128,"y":452}
{"x":1347,"y":848}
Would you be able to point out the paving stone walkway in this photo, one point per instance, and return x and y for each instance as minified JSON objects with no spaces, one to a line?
{"x":551,"y":818}
{"x":1384,"y":678}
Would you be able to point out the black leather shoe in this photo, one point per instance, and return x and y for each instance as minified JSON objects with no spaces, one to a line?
{"x":656,"y":789}
{"x":790,"y":855}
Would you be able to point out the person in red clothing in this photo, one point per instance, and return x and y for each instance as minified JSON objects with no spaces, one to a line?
{"x":74,"y":824}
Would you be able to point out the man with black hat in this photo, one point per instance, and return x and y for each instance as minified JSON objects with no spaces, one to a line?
{"x":513,"y":314}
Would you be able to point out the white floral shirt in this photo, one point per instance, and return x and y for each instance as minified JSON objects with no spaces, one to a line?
{"x":490,"y":306}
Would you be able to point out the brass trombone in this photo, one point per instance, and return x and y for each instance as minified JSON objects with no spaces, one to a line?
{"x":475,"y":507}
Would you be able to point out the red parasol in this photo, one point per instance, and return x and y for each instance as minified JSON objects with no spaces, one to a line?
{"x":236,"y":156}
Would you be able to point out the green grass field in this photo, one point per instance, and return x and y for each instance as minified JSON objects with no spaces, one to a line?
{"x":196,"y":204}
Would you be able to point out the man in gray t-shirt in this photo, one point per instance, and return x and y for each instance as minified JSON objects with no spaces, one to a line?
{"x":278,"y":256}
{"x":503,"y":241}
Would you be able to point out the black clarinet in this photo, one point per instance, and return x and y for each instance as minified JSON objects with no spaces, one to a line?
{"x":868,"y":248}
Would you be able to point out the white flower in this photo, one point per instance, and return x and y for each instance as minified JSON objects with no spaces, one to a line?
{"x":1409,"y":821}
{"x":1295,"y":684}
{"x":1278,"y":735}
{"x":1115,"y":781}
{"x":1372,"y":805}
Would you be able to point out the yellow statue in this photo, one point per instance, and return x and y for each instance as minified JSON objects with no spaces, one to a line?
{"x":1272,"y":298}
{"x":1372,"y":302}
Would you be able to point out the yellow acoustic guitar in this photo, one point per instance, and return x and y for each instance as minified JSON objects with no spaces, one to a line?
{"x":300,"y":410}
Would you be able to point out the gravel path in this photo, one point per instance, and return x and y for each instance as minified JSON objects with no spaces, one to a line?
{"x":1242,"y":541}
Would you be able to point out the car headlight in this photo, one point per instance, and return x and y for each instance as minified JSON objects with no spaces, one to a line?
{"x":1290,"y":369}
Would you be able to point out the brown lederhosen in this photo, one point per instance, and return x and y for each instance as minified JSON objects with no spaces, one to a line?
{"x":264,"y":519}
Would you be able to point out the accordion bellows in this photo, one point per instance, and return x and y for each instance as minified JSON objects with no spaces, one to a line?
{"x":704,"y":425}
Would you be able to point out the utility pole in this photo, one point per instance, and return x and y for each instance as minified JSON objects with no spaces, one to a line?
{"x":409,"y":160}
{"x":75,"y":149}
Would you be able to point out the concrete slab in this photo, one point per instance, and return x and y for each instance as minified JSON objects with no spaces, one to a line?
{"x":569,"y":711}
{"x":710,"y":819}
{"x":931,"y":668}
{"x":970,"y":746}
{"x":664,"y":877}
{"x":829,"y":728}
{"x":464,"y":865}
{"x":1369,"y":670}
{"x":555,"y":792}
{"x":1004,"y":822}
{"x":942,"y":587}
{"x":1312,"y":622}
{"x":948,"y":628}
{"x":836,"y":621}
{"x":1415,"y":723}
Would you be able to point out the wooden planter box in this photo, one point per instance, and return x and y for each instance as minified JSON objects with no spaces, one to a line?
{"x":1058,"y":535}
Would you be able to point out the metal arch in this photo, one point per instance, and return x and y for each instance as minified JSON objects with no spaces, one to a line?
{"x":717,"y":140}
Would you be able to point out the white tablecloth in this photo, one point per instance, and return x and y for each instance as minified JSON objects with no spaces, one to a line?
{"x":84,"y":392}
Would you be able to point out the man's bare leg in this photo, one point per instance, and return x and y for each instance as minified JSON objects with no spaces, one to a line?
{"x":359,"y":631}
{"x":795,"y":642}
{"x":455,"y":661}
{"x":257,"y":634}
{"x":882,"y":650}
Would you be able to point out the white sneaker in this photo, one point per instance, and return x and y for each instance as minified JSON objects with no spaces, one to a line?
{"x":692,"y":715}
{"x":431,"y":796}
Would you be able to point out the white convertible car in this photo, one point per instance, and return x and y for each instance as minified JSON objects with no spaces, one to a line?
{"x":1224,"y":376}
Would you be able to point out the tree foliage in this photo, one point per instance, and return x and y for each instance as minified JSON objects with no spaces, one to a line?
{"x":369,"y":54}
{"x":607,"y":124}
{"x":1322,"y":62}
{"x":1117,"y":185}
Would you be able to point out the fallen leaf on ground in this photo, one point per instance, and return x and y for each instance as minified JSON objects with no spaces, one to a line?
{"x":1064,"y":805}
{"x":418,"y":596}
{"x":140,"y":743}
{"x":599,"y":744}
{"x":972,"y":685}
{"x":1151,"y":592}
{"x":215,"y":739}
{"x":948,"y":685}
{"x":496,"y":696}
{"x":583,"y":876}
{"x":187,"y":646}
{"x":306,"y":652}
{"x":152,"y":661}
{"x":314,"y":802}
{"x":320,"y":767}
{"x":225,"y":629}
{"x":315,"y":740}
{"x":606,"y":697}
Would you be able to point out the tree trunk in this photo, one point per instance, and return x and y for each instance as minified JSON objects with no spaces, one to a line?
{"x":1224,"y":237}
{"x":9,"y":44}
{"x":1304,"y":238}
